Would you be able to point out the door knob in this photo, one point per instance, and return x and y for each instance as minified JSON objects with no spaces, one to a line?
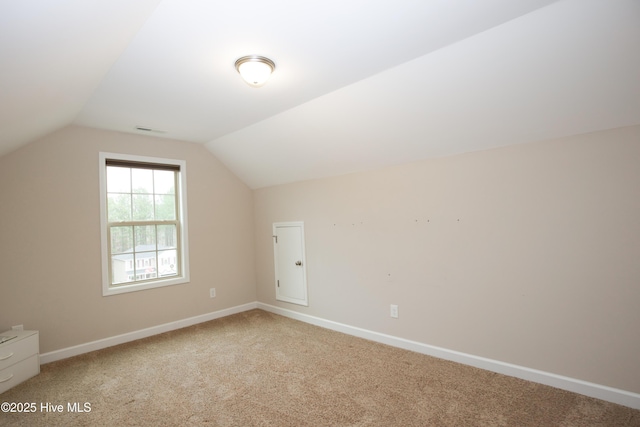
{"x":298,"y":262}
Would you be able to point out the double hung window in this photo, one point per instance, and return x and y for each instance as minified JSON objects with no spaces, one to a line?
{"x":143,"y":215}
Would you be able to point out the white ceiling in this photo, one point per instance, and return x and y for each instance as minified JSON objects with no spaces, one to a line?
{"x":359,"y":83}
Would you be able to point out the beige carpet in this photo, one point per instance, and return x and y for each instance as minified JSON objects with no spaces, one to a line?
{"x":261,"y":369}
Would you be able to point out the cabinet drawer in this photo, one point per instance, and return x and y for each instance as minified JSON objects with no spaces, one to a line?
{"x":14,"y":352}
{"x":21,"y":371}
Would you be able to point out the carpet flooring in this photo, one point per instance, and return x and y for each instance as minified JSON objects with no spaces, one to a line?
{"x":260,"y":369}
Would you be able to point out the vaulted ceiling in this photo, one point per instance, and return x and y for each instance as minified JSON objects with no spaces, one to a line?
{"x":358,"y":84}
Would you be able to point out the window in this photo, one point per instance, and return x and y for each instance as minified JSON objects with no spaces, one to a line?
{"x":143,"y":218}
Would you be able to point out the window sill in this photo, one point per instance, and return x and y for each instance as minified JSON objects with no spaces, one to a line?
{"x":123,"y":289}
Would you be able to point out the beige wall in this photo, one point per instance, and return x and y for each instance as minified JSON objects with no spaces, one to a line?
{"x":528,"y":254}
{"x":525,"y":254}
{"x":50,"y":274}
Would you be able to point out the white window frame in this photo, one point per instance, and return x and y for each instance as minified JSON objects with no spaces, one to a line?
{"x":107,"y":288}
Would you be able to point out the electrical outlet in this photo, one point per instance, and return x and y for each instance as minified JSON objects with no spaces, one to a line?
{"x":212,"y":293}
{"x":18,"y":328}
{"x":394,"y":311}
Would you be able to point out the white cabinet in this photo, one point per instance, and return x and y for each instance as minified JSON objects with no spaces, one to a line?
{"x":19,"y":357}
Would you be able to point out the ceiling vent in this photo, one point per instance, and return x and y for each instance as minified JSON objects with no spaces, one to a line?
{"x":144,"y":129}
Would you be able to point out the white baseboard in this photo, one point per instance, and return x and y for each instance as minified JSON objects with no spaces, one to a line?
{"x":598,"y":391}
{"x":142,"y":333}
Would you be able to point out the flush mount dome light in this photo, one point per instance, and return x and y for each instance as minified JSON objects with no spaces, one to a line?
{"x":255,"y":70}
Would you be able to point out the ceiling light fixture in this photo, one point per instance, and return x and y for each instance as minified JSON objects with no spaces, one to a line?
{"x":255,"y":70}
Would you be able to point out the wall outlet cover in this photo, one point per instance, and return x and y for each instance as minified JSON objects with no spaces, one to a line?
{"x":394,"y":311}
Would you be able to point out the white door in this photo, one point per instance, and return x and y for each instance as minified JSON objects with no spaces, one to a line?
{"x":290,"y":264}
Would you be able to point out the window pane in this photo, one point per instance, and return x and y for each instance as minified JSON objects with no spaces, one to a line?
{"x":145,"y":238}
{"x":168,"y":265}
{"x":165,"y":207}
{"x":119,"y":207}
{"x":167,"y":236}
{"x":142,"y":181}
{"x":121,"y":269}
{"x":121,"y":239}
{"x":142,"y":207}
{"x":164,"y":182}
{"x":118,"y":180}
{"x":147,"y":265}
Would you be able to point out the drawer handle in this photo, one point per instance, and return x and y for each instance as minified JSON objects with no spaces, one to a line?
{"x":6,"y":357}
{"x":7,"y":379}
